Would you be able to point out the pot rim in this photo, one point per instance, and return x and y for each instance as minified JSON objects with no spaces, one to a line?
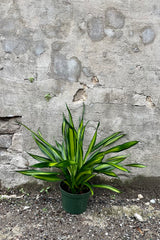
{"x":73,"y":194}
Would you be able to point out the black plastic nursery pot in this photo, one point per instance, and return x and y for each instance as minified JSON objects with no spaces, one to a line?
{"x":74,"y":203}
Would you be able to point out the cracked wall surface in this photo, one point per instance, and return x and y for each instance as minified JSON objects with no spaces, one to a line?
{"x":103,"y":53}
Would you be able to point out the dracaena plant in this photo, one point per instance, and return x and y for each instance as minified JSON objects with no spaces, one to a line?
{"x":76,"y":167}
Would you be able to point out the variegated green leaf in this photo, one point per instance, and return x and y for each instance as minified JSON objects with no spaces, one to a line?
{"x":119,"y":167}
{"x":116,"y":138}
{"x":108,"y":173}
{"x":104,"y":141}
{"x":88,"y":178}
{"x":116,"y":159}
{"x":72,"y":144}
{"x":94,"y":161}
{"x":121,"y":147}
{"x":49,"y":150}
{"x":107,"y":187}
{"x":91,"y":145}
{"x":70,"y":117}
{"x":90,"y":187}
{"x":44,"y":165}
{"x":62,"y":164}
{"x":86,"y":172}
{"x":48,"y":178}
{"x":136,"y":165}
{"x":59,"y":146}
{"x":63,"y":126}
{"x":102,"y":166}
{"x":36,"y":172}
{"x":44,"y":149}
{"x":40,"y":158}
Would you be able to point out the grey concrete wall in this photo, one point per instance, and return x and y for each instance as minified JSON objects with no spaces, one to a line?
{"x":105,"y":53}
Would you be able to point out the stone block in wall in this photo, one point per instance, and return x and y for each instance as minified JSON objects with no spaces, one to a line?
{"x":66,"y":69}
{"x":18,"y":161}
{"x":5,"y":141}
{"x":87,"y":72}
{"x":147,"y":35}
{"x":5,"y":157}
{"x":9,"y":125}
{"x":114,"y":18}
{"x":39,"y":47}
{"x":9,"y":178}
{"x":96,"y":28}
{"x":9,"y":163}
{"x":18,"y":46}
{"x":17,"y":140}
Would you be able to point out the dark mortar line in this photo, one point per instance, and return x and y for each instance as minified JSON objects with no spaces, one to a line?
{"x":7,"y":118}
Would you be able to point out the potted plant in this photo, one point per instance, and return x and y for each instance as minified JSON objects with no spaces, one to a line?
{"x":77,"y":168}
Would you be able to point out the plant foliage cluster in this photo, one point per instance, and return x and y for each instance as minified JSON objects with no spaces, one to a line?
{"x":77,"y":167}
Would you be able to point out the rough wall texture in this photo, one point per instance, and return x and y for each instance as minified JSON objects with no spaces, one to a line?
{"x":105,"y":53}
